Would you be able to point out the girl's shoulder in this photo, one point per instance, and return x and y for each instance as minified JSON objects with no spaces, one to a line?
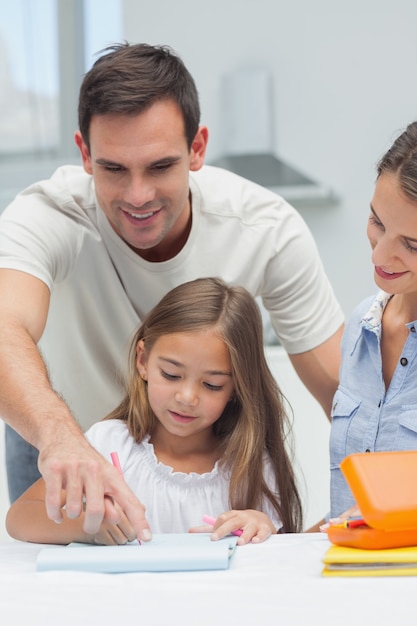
{"x":110,"y":436}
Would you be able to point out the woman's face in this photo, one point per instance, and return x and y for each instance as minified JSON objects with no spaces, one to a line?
{"x":392,"y":233}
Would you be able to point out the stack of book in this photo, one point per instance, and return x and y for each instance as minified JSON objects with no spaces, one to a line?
{"x":342,"y":561}
{"x":383,"y":541}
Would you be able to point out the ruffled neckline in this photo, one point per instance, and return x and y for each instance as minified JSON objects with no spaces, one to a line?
{"x":168,"y":473}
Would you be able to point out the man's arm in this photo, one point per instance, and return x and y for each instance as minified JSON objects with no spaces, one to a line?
{"x":30,"y":406}
{"x":319,"y":369}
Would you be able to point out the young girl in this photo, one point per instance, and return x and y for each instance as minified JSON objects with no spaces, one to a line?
{"x":202,"y":429}
{"x":375,"y":406}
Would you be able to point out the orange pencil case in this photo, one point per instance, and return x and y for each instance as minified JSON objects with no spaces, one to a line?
{"x":384,"y":485}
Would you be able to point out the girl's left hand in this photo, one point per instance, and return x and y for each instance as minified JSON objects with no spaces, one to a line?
{"x":256,"y":526}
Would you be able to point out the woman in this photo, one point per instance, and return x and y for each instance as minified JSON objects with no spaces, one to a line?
{"x":375,"y":406}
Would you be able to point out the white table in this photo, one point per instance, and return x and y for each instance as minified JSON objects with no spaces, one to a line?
{"x":278,"y":582}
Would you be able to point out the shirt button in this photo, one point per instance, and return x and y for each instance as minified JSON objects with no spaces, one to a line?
{"x":413,"y":329}
{"x":404,"y":361}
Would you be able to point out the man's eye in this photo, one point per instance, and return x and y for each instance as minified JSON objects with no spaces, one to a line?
{"x":162,"y":167}
{"x":113,"y":169}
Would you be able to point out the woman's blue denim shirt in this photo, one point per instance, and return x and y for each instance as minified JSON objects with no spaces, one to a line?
{"x":366,"y":417}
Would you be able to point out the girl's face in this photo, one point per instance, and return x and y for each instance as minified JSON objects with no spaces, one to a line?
{"x":189,"y":381}
{"x":392,"y":232}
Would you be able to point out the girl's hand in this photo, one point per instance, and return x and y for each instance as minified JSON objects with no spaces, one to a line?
{"x":256,"y":526}
{"x":114,"y":530}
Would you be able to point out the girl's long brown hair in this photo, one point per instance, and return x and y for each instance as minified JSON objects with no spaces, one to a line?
{"x":254,"y":421}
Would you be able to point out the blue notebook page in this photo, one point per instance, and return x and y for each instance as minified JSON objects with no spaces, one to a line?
{"x":170,"y":552}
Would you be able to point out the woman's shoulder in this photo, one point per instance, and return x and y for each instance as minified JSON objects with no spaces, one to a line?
{"x":368,"y":311}
{"x":362,"y":307}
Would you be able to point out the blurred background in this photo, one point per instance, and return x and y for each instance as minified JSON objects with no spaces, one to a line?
{"x":326,"y":85}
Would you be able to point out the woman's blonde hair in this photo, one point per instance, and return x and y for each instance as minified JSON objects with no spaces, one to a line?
{"x":255,"y":420}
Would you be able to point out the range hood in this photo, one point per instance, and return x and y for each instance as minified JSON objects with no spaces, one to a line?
{"x":247,"y":117}
{"x":271,"y":172}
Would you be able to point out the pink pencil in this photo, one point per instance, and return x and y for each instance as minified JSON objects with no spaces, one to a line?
{"x":212,"y":520}
{"x":116,"y":463}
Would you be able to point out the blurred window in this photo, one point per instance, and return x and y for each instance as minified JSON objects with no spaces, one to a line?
{"x":32,"y":92}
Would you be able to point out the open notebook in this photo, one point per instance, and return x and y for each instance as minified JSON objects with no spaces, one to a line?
{"x":165,"y":553}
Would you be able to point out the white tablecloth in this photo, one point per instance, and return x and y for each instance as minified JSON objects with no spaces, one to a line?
{"x":278,"y":582}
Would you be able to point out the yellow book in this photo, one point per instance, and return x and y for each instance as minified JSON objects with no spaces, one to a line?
{"x":344,"y":561}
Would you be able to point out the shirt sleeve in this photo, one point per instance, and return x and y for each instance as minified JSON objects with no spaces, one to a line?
{"x":296,"y":290}
{"x":41,"y":231}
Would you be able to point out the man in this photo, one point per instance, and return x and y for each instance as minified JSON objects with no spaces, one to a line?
{"x":84,"y":255}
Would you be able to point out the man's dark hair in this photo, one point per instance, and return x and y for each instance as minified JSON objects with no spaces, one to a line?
{"x":129,"y":78}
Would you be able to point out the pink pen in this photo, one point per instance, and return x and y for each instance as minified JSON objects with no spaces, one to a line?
{"x":212,"y":520}
{"x":116,"y":463}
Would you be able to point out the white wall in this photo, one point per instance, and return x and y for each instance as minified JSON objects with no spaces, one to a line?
{"x":310,"y":435}
{"x":345,"y":81}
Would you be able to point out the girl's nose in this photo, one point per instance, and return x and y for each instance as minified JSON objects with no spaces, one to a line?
{"x":187,"y":395}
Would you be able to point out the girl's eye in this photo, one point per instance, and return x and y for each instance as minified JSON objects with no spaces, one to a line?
{"x":173,"y":377}
{"x":169,"y":376}
{"x":213,"y":387}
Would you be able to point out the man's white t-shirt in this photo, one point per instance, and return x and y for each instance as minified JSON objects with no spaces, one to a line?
{"x":101,"y":289}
